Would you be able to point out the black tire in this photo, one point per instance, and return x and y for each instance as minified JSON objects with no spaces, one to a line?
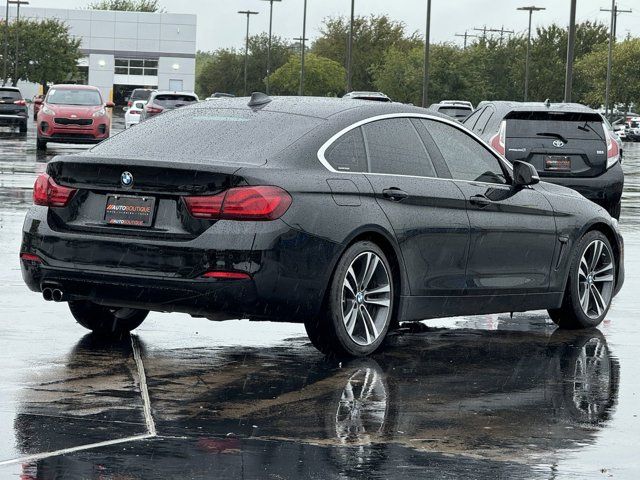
{"x":571,"y":314}
{"x":41,"y":145}
{"x":23,"y":127}
{"x":111,"y":322}
{"x":328,"y":333}
{"x":614,"y":210}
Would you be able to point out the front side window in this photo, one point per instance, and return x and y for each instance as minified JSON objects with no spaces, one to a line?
{"x":466,"y":157}
{"x":347,"y":154}
{"x":394,"y":147}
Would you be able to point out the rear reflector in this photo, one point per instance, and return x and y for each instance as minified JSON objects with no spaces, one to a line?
{"x":241,"y":203}
{"x":227,"y":275}
{"x":48,"y":193}
{"x":30,"y":257}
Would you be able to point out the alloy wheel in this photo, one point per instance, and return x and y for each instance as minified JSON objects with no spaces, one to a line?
{"x":595,"y":279}
{"x":366,"y":298}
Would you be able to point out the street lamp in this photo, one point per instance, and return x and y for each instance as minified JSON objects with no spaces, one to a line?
{"x":350,"y":48}
{"x":248,"y":13}
{"x":304,"y":39}
{"x":526,"y":62}
{"x":571,"y":43}
{"x":6,"y":37}
{"x":269,"y":43}
{"x":427,"y":36}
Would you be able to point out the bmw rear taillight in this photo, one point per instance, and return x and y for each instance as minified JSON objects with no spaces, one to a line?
{"x":613,"y":151}
{"x":48,"y":193}
{"x":499,"y":139}
{"x":241,"y":203}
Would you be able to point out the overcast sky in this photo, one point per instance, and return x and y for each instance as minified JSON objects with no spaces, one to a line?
{"x":219,"y":24}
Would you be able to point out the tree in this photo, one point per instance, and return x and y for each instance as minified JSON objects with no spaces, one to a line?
{"x":323,"y":77}
{"x":46,"y":52}
{"x":223,"y":70}
{"x":128,"y":5}
{"x":372,"y":37}
{"x":625,"y":81}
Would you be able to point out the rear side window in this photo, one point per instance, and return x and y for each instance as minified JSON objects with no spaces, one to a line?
{"x":566,"y":125}
{"x":466,"y":158}
{"x":140,"y":95}
{"x":481,"y":125}
{"x":348,"y":154}
{"x":10,"y":95}
{"x":201,"y":134}
{"x":170,"y":101}
{"x":394,"y":147}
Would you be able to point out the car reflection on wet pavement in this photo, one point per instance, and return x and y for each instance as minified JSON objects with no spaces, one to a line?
{"x":474,"y":397}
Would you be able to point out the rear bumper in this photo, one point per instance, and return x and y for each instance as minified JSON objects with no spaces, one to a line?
{"x":289,"y":269}
{"x":13,"y":119}
{"x":605,"y":190}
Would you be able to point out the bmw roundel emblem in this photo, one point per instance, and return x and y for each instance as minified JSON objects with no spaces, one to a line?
{"x":127,"y":179}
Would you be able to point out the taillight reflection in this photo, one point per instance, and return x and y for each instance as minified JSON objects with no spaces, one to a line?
{"x":241,"y":203}
{"x":48,"y":193}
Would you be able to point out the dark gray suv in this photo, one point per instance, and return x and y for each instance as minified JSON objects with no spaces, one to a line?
{"x":14,"y":111}
{"x":569,"y":144}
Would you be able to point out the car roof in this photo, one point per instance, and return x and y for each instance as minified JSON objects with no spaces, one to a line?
{"x":542,"y":107}
{"x":73,"y":86}
{"x":323,"y":107}
{"x":15,"y":89}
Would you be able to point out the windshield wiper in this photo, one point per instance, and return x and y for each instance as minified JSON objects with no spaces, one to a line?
{"x":586,"y":127}
{"x":553,"y":135}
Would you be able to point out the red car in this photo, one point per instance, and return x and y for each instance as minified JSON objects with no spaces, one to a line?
{"x":72,"y":114}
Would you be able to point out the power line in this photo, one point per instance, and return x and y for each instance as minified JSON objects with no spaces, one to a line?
{"x":500,"y":30}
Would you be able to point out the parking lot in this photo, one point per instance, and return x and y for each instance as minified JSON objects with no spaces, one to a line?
{"x":490,"y":396}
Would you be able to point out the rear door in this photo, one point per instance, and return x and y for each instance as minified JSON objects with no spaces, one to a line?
{"x":513,"y":232}
{"x":558,"y":144}
{"x":427,"y":213}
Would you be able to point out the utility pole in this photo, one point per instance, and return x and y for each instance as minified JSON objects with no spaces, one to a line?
{"x":248,"y":13}
{"x":466,"y":35}
{"x":526,"y":62}
{"x":427,"y":40}
{"x":571,"y":43}
{"x":500,"y":30}
{"x":269,"y":42}
{"x":350,"y":48}
{"x":6,"y":37}
{"x":615,"y":11}
{"x":303,"y":39}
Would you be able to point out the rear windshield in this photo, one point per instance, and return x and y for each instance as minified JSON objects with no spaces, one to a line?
{"x":140,"y":95}
{"x":172,"y":101}
{"x":455,"y":112}
{"x":10,"y":95}
{"x":62,"y":96}
{"x":581,"y":126}
{"x":209,"y":135}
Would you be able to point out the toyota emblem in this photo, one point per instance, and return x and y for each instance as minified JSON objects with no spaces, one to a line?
{"x":127,"y":179}
{"x":558,"y":143}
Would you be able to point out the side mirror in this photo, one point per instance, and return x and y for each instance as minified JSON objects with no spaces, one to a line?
{"x":109,"y":104}
{"x":524,"y":174}
{"x":38,"y":101}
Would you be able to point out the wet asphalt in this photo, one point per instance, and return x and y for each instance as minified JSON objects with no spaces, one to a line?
{"x":475,"y":397}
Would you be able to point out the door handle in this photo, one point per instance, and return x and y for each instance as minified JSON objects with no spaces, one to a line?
{"x":394,"y":194}
{"x":480,"y":201}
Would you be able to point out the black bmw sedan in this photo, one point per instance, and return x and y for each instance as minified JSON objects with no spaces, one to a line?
{"x":347,"y":216}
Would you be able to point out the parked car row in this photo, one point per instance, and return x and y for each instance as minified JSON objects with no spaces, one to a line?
{"x":153,"y":102}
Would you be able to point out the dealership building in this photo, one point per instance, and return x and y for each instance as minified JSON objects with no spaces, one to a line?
{"x":125,"y":50}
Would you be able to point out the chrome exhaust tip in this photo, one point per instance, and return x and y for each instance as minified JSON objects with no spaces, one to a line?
{"x":47,"y":294}
{"x":57,"y":295}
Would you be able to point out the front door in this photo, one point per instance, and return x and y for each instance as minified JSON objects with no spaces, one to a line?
{"x":513,"y":231}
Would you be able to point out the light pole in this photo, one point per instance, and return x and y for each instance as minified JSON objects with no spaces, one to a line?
{"x":350,"y":48}
{"x":248,"y":13}
{"x":615,"y":11}
{"x":304,"y":39}
{"x":269,"y":43}
{"x":15,"y":64}
{"x":526,"y":62}
{"x":571,"y":42}
{"x":427,"y":37}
